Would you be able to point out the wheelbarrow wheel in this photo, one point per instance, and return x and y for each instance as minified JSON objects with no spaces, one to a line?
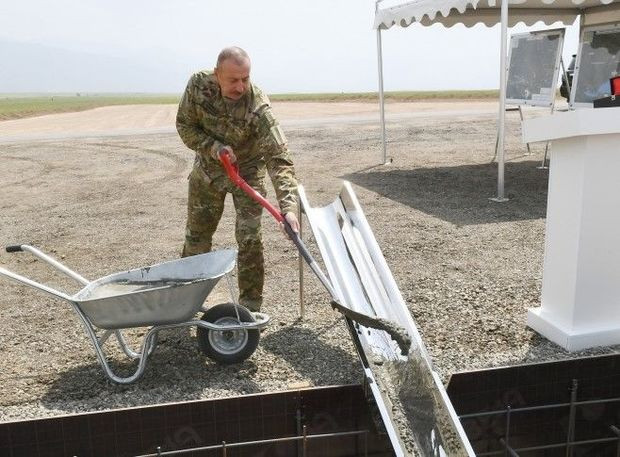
{"x":227,"y":346}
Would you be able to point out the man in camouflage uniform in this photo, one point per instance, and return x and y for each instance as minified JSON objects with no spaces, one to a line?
{"x":222,"y":110}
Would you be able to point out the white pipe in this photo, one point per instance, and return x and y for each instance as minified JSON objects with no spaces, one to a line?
{"x":502,"y":102}
{"x":381,"y":99}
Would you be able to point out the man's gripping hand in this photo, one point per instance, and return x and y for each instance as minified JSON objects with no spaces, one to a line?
{"x":217,"y":152}
{"x":292,"y":220}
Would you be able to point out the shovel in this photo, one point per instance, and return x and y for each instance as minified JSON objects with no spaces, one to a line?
{"x":396,"y":332}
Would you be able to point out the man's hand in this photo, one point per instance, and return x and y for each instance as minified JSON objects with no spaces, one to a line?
{"x":228,"y":150}
{"x":292,"y":220}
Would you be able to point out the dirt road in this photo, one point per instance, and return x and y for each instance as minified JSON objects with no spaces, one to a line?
{"x":149,"y":119}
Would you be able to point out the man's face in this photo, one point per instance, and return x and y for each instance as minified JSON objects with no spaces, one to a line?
{"x":234,"y":79}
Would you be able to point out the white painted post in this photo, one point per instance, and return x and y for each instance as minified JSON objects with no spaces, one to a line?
{"x":502,"y":104}
{"x":381,"y":100}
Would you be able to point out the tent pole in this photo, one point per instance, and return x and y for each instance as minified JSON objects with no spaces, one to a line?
{"x":502,"y":105}
{"x":381,"y":99}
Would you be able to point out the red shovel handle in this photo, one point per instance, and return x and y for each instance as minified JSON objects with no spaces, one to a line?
{"x":233,"y":174}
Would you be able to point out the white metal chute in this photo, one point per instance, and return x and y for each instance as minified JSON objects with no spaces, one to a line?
{"x":363,"y":282}
{"x":490,"y":13}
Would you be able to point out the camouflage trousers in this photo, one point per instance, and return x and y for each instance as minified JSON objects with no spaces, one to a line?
{"x":204,"y":211}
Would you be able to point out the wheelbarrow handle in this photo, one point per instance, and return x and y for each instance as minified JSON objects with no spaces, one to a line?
{"x":34,"y":284}
{"x":46,"y":258}
{"x":29,"y":282}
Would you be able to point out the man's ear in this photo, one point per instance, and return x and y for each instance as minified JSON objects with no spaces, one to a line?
{"x":217,"y":75}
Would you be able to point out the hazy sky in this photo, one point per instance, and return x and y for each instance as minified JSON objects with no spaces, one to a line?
{"x":295,"y":45}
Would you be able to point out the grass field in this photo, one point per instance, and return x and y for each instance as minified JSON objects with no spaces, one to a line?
{"x":18,"y":106}
{"x":15,"y":106}
{"x":400,"y":96}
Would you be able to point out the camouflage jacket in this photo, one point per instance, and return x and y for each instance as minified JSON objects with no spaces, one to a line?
{"x":206,"y":121}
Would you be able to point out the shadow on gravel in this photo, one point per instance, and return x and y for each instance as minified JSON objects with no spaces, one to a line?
{"x":176,"y":371}
{"x":460,"y":194}
{"x":291,"y":344}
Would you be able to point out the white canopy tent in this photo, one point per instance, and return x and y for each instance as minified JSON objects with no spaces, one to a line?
{"x":490,"y":13}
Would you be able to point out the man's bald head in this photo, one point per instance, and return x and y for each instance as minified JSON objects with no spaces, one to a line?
{"x":233,"y":53}
{"x":233,"y":72}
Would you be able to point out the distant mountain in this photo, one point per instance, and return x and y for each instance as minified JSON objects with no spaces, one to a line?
{"x":28,"y":67}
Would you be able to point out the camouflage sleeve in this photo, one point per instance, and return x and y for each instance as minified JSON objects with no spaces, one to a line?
{"x":188,"y":123}
{"x":273,"y":145}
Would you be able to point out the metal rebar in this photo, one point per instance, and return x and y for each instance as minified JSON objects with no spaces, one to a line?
{"x":523,"y":449}
{"x":570,"y":435}
{"x":507,"y":433}
{"x":569,"y":444}
{"x":299,"y":430}
{"x":501,"y":412}
{"x":510,"y":451}
{"x":305,"y":442}
{"x":301,"y":268}
{"x":615,"y":429}
{"x":258,"y":442}
{"x":550,"y":446}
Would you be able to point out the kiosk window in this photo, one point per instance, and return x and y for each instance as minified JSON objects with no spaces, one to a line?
{"x":598,"y":61}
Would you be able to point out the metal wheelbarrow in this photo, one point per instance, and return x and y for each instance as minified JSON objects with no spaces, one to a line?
{"x":162,"y":296}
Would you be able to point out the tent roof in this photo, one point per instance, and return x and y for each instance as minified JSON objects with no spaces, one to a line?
{"x":472,"y":12}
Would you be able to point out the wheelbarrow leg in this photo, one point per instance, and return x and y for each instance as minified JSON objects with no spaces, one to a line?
{"x":147,"y":342}
{"x":127,"y":350}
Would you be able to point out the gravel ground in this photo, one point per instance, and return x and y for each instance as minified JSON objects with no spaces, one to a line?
{"x":468,"y":268}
